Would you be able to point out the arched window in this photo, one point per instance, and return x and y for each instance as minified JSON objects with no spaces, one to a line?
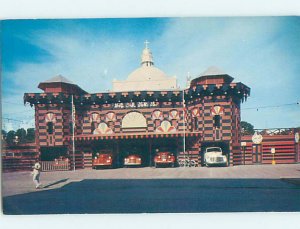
{"x":217,"y":121}
{"x":157,"y":114}
{"x":50,"y":119}
{"x":94,"y":120}
{"x":134,"y":120}
{"x":50,"y":127}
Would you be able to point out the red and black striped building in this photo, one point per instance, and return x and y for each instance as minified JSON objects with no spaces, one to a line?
{"x":206,"y":113}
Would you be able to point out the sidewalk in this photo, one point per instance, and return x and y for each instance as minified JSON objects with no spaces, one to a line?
{"x":21,"y":182}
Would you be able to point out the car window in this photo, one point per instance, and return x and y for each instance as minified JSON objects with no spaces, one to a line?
{"x":214,"y":149}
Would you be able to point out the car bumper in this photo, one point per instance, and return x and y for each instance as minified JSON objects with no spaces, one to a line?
{"x":164,"y":162}
{"x":132,"y":163}
{"x":216,"y":163}
{"x":103,"y":164}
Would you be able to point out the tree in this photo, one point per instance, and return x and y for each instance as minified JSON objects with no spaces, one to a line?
{"x":22,"y":136}
{"x":247,"y":128}
{"x":10,"y":137}
{"x":30,"y":136}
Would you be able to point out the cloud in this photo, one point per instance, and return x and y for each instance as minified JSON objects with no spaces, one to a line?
{"x":91,"y":62}
{"x":83,"y":60}
{"x":253,"y":50}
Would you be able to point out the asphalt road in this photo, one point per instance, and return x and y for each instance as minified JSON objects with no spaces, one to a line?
{"x":159,"y":196}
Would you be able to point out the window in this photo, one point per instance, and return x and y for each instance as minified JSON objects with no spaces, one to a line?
{"x":50,"y":127}
{"x":110,"y":124}
{"x":157,"y":122}
{"x":217,"y":134}
{"x":217,"y":121}
{"x":93,"y":126}
{"x":195,"y":123}
{"x":174,"y":123}
{"x":134,"y":120}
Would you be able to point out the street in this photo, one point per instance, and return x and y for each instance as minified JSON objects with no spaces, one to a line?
{"x":112,"y":191}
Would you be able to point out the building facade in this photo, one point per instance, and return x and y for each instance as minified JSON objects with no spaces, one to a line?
{"x":143,"y":114}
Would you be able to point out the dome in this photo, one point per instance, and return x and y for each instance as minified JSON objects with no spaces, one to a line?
{"x":146,"y":77}
{"x":147,"y":73}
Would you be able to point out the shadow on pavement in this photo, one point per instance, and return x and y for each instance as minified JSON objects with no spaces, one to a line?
{"x":159,"y":196}
{"x":55,"y":183}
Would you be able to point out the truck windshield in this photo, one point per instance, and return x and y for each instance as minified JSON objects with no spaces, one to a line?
{"x":213,"y":149}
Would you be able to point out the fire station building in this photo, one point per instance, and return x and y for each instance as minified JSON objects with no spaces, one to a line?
{"x":144,"y":113}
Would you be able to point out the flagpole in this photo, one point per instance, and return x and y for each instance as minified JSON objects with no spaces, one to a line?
{"x":73,"y":132}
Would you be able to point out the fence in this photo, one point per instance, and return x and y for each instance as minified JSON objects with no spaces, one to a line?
{"x":56,"y":165}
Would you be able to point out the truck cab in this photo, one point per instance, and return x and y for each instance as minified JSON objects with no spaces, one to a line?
{"x":164,"y":158}
{"x":103,"y":159}
{"x":213,"y":156}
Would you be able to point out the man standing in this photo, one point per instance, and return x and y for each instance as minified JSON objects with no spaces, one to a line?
{"x":36,"y":174}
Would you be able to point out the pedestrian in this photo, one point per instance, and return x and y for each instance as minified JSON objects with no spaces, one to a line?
{"x":36,"y":174}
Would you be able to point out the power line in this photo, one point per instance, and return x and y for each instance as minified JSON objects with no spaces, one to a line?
{"x":11,"y":119}
{"x":21,"y":112}
{"x":273,"y":106}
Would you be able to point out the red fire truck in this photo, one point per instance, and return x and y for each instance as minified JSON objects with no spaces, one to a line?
{"x":164,"y":158}
{"x":103,"y":159}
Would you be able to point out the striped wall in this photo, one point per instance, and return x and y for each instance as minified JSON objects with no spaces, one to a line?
{"x":44,"y":138}
{"x":229,"y":130}
{"x":116,"y":126}
{"x":202,"y":123}
{"x":287,"y":151}
{"x":19,"y":157}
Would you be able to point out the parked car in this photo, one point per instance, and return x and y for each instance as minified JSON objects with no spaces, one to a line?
{"x":103,"y":159}
{"x":133,"y":160}
{"x":164,"y":158}
{"x":214,"y":156}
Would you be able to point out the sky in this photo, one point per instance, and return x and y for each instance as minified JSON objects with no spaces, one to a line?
{"x":261,"y":52}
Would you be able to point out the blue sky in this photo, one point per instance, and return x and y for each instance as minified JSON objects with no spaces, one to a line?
{"x":261,"y":52}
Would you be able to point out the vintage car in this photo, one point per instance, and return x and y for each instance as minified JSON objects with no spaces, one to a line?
{"x":164,"y":158}
{"x":103,"y":159}
{"x":133,"y":160}
{"x":213,"y":156}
